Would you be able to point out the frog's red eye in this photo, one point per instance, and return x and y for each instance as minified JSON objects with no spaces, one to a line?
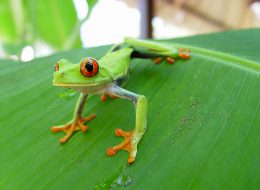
{"x":56,"y":67}
{"x":89,"y":67}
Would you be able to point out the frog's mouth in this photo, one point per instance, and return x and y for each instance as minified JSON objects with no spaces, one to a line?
{"x":85,"y":88}
{"x":78,"y":85}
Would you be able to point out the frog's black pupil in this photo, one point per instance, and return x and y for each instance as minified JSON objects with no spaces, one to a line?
{"x":89,"y":67}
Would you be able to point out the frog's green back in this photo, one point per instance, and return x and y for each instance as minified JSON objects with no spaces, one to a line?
{"x":116,"y":63}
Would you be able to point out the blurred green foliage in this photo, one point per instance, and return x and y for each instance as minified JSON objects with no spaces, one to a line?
{"x":54,"y":22}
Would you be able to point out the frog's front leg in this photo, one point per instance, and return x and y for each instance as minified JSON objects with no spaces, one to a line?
{"x":133,"y":137}
{"x":77,"y":122}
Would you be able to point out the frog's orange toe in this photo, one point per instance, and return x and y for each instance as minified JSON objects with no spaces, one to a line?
{"x":184,"y":53}
{"x":170,"y":60}
{"x":84,"y":128}
{"x":103,"y":98}
{"x":131,"y":160}
{"x":119,"y":132}
{"x":158,"y":60}
{"x":113,"y":96}
{"x":56,"y":129}
{"x":83,"y":120}
{"x":125,"y":145}
{"x":111,"y":151}
{"x":63,"y":140}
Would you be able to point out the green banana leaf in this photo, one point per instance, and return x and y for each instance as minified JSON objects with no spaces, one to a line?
{"x":203,"y":122}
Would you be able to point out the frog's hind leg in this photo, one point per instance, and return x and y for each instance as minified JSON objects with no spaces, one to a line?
{"x":77,"y":123}
{"x":131,"y":138}
{"x":157,"y":51}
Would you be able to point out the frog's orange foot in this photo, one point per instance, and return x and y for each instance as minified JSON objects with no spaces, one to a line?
{"x":158,"y":60}
{"x":125,"y":145}
{"x":71,"y":127}
{"x":104,"y":97}
{"x":184,"y":53}
{"x":170,"y":60}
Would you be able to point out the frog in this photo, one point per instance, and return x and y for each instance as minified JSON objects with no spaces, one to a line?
{"x":107,"y":76}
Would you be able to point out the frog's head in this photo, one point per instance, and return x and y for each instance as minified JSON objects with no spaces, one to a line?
{"x":86,"y":73}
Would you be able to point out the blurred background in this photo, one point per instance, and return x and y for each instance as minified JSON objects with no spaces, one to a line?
{"x":36,"y":28}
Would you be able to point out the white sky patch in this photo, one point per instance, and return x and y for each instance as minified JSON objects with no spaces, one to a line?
{"x":255,"y":7}
{"x":163,"y":29}
{"x":110,"y":22}
{"x":81,"y":7}
{"x":27,"y":53}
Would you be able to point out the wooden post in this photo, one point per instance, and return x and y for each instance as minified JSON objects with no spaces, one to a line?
{"x":146,"y":10}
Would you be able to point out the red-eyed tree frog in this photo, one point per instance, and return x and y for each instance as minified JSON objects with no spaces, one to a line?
{"x":107,"y":76}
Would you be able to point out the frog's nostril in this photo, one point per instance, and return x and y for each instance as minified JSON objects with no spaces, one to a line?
{"x":56,"y":67}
